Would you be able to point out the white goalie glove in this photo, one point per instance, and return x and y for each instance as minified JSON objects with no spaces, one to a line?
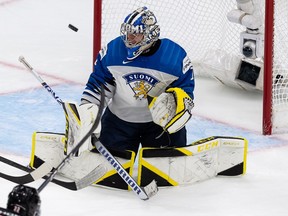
{"x":79,"y":120}
{"x":171,"y":109}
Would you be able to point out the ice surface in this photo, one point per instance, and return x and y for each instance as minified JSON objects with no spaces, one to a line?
{"x":38,"y":30}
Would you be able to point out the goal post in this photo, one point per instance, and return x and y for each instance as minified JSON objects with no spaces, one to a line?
{"x":97,"y":26}
{"x":275,"y":92}
{"x":216,"y":43}
{"x":268,"y":68}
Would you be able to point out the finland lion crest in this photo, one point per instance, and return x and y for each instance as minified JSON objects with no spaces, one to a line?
{"x":140,"y":83}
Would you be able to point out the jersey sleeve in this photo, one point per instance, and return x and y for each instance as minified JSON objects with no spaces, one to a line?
{"x":99,"y":76}
{"x":186,"y":77}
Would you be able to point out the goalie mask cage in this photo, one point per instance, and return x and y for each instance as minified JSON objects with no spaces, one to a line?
{"x":213,"y":42}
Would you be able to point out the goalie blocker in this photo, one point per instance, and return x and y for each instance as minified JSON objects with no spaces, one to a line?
{"x":199,"y":161}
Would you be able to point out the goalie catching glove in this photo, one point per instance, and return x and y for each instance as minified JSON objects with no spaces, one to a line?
{"x":79,"y":120}
{"x":171,"y":109}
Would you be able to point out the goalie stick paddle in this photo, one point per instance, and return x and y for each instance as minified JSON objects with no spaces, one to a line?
{"x":71,"y":185}
{"x":143,"y":193}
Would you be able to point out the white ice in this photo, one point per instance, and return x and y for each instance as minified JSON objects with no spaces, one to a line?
{"x":38,"y":30}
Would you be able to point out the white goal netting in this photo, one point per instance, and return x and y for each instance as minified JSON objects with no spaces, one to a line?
{"x":213,"y":42}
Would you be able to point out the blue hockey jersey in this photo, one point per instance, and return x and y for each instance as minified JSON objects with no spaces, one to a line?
{"x":129,"y":82}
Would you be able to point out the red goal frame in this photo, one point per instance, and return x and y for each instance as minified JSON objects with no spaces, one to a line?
{"x":268,"y":57}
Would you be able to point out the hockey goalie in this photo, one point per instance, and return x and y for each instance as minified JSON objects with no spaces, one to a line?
{"x":149,"y":85}
{"x":149,"y":93}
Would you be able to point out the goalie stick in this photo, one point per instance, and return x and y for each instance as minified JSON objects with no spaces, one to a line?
{"x":38,"y":77}
{"x":71,"y":185}
{"x":25,"y":200}
{"x":38,"y":173}
{"x":45,"y":168}
{"x":143,"y":193}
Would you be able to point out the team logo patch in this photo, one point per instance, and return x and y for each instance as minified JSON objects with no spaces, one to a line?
{"x":140,"y":83}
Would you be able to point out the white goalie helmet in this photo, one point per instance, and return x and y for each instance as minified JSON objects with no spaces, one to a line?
{"x":138,"y":31}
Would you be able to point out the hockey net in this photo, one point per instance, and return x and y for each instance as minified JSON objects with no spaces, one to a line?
{"x":215,"y":45}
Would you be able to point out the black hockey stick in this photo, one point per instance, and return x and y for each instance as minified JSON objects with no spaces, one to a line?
{"x":71,"y":185}
{"x":36,"y":174}
{"x":100,"y":168}
{"x":45,"y":168}
{"x":143,"y":193}
{"x":21,"y":198}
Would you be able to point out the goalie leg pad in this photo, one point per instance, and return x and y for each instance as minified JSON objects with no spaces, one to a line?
{"x":48,"y":147}
{"x":199,"y":161}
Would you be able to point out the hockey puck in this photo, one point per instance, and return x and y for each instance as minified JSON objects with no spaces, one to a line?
{"x":73,"y":27}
